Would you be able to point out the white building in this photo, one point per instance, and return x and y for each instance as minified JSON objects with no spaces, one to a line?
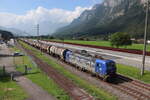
{"x":11,"y":42}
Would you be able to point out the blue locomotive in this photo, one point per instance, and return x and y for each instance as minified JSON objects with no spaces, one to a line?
{"x":102,"y":68}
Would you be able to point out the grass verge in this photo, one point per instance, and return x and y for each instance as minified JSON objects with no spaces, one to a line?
{"x":39,"y":78}
{"x":133,"y":73}
{"x":98,"y":93}
{"x":10,"y":90}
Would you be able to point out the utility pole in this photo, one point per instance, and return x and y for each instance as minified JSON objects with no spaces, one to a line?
{"x":145,"y":38}
{"x":38,"y":36}
{"x":38,"y":32}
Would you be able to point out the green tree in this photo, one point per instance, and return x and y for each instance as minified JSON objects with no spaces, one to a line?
{"x":6,"y":35}
{"x":51,"y":37}
{"x":120,"y":39}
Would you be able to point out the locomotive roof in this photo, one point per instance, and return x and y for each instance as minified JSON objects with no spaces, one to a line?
{"x":84,"y":56}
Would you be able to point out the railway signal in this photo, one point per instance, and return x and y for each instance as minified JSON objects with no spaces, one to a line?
{"x":145,"y":38}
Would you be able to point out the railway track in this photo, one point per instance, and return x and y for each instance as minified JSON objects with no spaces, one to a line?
{"x":134,"y":88}
{"x":131,"y":87}
{"x":135,"y":82}
{"x":73,"y":90}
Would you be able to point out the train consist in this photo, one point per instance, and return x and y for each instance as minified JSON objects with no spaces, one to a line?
{"x":86,"y":62}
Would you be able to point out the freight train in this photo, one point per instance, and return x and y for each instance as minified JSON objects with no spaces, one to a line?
{"x":106,"y":69}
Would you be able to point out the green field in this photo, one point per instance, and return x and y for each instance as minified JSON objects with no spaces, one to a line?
{"x":105,"y":43}
{"x":39,"y":78}
{"x":10,"y":90}
{"x":133,"y":73}
{"x":98,"y":93}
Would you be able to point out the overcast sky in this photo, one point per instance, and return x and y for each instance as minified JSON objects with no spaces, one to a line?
{"x":51,"y":14}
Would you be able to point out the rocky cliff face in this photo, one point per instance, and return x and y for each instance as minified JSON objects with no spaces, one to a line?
{"x":109,"y":9}
{"x":108,"y":17}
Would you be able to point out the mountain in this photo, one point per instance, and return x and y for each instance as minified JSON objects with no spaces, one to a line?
{"x":15,"y":32}
{"x":106,"y":18}
{"x":47,"y":27}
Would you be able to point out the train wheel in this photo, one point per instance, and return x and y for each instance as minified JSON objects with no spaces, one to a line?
{"x":105,"y":78}
{"x":93,"y":75}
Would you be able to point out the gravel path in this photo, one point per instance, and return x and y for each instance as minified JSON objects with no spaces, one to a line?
{"x":35,"y":92}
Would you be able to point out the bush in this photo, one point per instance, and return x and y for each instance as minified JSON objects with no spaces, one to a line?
{"x":120,"y":39}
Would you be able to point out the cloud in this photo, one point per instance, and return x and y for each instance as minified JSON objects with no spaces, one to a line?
{"x":40,"y":15}
{"x":97,"y":1}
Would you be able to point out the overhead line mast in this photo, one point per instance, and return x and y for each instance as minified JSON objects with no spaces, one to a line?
{"x":145,"y":38}
{"x":38,"y":36}
{"x":38,"y":31}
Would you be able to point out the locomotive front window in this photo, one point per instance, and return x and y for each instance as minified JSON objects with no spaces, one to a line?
{"x":111,"y":65}
{"x":99,"y":65}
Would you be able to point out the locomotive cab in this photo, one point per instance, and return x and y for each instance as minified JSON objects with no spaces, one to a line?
{"x":100,"y":67}
{"x":111,"y":68}
{"x":105,"y":68}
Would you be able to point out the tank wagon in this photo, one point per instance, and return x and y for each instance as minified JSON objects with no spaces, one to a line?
{"x":100,"y":67}
{"x":59,"y":52}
